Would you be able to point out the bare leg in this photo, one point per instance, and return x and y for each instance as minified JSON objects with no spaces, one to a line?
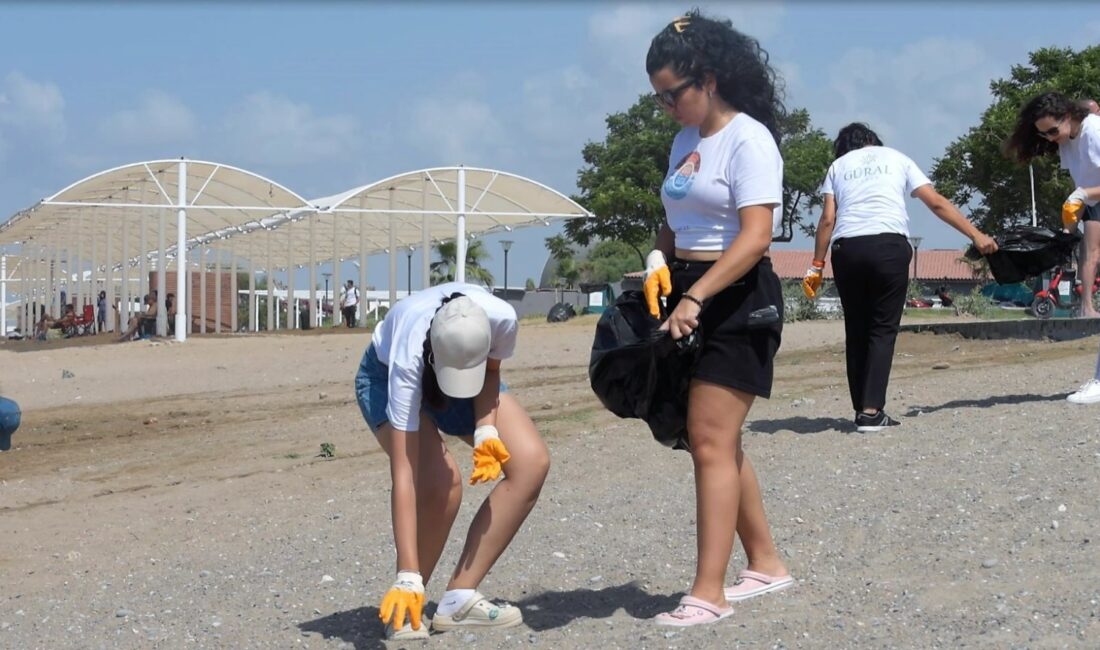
{"x":715,"y":417}
{"x":438,"y":493}
{"x":1088,"y":268}
{"x":752,"y":523}
{"x":508,"y":505}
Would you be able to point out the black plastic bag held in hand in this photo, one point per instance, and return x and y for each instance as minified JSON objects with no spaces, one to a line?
{"x":638,"y":371}
{"x":1026,"y":251}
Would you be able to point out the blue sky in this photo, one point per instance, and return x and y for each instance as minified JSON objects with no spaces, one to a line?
{"x":322,"y":97}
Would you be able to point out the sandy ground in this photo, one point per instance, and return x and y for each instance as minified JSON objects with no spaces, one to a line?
{"x":172,"y":496}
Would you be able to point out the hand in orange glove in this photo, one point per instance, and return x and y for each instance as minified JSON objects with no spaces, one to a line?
{"x":658,"y":281}
{"x":405,"y":596}
{"x":1071,"y":209}
{"x":811,"y":283}
{"x":489,"y":454}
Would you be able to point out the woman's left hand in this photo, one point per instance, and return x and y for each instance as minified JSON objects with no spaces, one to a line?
{"x":683,"y":320}
{"x":985,"y":244}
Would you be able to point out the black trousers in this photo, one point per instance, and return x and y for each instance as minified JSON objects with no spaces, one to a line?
{"x":872,"y":276}
{"x":349,"y":316}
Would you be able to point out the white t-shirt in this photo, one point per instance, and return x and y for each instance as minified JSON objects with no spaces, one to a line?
{"x":399,"y":342}
{"x":1081,"y":155}
{"x":351,"y":296}
{"x":870,"y":186}
{"x":710,"y":179}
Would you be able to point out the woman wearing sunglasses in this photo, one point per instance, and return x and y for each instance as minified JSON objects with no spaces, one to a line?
{"x":433,"y":366}
{"x":865,"y":224}
{"x":1050,"y":123}
{"x":722,"y":198}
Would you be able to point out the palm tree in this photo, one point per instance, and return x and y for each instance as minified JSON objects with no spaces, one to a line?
{"x":443,"y":270}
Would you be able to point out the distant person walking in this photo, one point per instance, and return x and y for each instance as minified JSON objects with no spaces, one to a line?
{"x":1049,"y":123}
{"x":865,"y":224}
{"x":349,"y":303}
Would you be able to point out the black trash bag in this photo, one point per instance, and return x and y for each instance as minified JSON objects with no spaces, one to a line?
{"x":637,"y":371}
{"x":1027,"y":251}
{"x":560,"y":313}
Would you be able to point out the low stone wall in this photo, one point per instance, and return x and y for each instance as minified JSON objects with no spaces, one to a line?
{"x":1057,"y":329}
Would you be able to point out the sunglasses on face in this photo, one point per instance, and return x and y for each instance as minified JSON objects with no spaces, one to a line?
{"x":1052,"y":132}
{"x":668,"y":98}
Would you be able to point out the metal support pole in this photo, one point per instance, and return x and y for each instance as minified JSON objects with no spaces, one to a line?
{"x":460,"y":235}
{"x":183,"y":273}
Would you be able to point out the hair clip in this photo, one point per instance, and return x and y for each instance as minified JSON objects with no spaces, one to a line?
{"x":681,"y":23}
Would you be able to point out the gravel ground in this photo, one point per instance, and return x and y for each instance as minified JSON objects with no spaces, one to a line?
{"x":139,"y":509}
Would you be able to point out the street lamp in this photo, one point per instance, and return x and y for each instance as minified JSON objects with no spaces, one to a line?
{"x":506,"y":244}
{"x":409,"y":271}
{"x":915,"y":241}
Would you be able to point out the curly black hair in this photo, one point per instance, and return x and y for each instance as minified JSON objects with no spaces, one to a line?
{"x":1025,"y":142}
{"x":694,"y":45}
{"x":854,"y":136}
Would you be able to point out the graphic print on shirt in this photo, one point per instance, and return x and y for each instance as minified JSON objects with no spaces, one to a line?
{"x":868,"y":168}
{"x":679,"y":181}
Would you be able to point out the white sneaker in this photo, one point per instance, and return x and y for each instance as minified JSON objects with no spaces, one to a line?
{"x":1088,"y":393}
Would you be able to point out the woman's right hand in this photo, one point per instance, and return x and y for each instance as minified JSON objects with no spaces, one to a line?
{"x":683,"y":320}
{"x":985,"y":244}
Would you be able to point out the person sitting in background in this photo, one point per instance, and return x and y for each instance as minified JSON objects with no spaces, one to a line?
{"x":135,"y":323}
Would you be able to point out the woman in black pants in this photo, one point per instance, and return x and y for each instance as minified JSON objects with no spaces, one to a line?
{"x":865,"y":221}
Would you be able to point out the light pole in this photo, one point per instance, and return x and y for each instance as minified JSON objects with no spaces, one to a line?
{"x":409,"y":271}
{"x":506,"y":244}
{"x":327,"y":276}
{"x":915,"y":241}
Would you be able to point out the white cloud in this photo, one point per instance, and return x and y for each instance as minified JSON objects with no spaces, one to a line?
{"x":269,"y":129}
{"x":30,"y":112}
{"x":158,"y":119}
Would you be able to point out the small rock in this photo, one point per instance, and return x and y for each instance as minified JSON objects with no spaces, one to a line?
{"x":942,"y":365}
{"x":65,"y":374}
{"x":322,"y":395}
{"x":150,"y":421}
{"x":1054,"y":524}
{"x":122,"y":613}
{"x":327,"y":578}
{"x":559,"y":555}
{"x":1062,"y":508}
{"x":204,"y":574}
{"x":990,"y":563}
{"x":595,"y":578}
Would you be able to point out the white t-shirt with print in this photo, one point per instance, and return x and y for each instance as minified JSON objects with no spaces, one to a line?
{"x":1081,"y":155}
{"x":870,"y":186}
{"x":710,"y":179}
{"x":399,"y":342}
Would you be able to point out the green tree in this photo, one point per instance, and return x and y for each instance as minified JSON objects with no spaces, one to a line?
{"x":443,"y":269}
{"x":621,"y":181}
{"x":974,"y":170}
{"x":561,"y":251}
{"x":807,"y":153}
{"x":608,"y":261}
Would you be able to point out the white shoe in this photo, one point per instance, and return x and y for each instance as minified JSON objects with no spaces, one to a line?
{"x":1088,"y":393}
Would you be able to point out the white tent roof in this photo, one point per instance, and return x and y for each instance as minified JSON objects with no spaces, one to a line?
{"x":218,"y":197}
{"x":406,"y":205}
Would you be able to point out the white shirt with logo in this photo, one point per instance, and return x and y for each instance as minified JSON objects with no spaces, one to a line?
{"x":870,"y":186}
{"x":710,"y":179}
{"x":1081,"y":155}
{"x":399,"y":343}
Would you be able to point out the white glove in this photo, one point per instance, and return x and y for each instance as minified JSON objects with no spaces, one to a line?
{"x":1079,"y":196}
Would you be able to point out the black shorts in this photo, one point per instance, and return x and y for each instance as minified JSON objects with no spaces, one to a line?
{"x":741,"y":327}
{"x":1091,"y":213}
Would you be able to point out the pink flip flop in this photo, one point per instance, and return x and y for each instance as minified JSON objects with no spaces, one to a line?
{"x":754,"y":583}
{"x":692,"y":611}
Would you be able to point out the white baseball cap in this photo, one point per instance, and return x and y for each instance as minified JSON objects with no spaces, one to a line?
{"x":461,"y":338}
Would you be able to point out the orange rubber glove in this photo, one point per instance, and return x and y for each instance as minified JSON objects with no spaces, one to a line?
{"x":658,"y":281}
{"x":406,"y":596}
{"x":811,"y":283}
{"x":1071,"y":209}
{"x":489,"y":454}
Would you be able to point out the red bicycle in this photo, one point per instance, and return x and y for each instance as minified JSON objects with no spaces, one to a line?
{"x":1064,"y":290}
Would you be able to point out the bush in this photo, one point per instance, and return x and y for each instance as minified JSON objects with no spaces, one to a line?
{"x":797,"y":307}
{"x":975,"y":304}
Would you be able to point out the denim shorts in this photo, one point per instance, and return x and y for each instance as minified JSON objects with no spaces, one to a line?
{"x":372,"y":394}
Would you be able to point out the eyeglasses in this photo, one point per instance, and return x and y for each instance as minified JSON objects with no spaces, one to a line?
{"x":1052,"y":132}
{"x":668,"y":98}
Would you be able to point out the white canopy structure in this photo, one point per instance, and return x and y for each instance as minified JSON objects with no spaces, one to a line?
{"x":106,"y":222}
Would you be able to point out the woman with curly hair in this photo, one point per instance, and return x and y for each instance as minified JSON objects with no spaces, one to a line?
{"x":722,"y":199}
{"x":1049,"y":123}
